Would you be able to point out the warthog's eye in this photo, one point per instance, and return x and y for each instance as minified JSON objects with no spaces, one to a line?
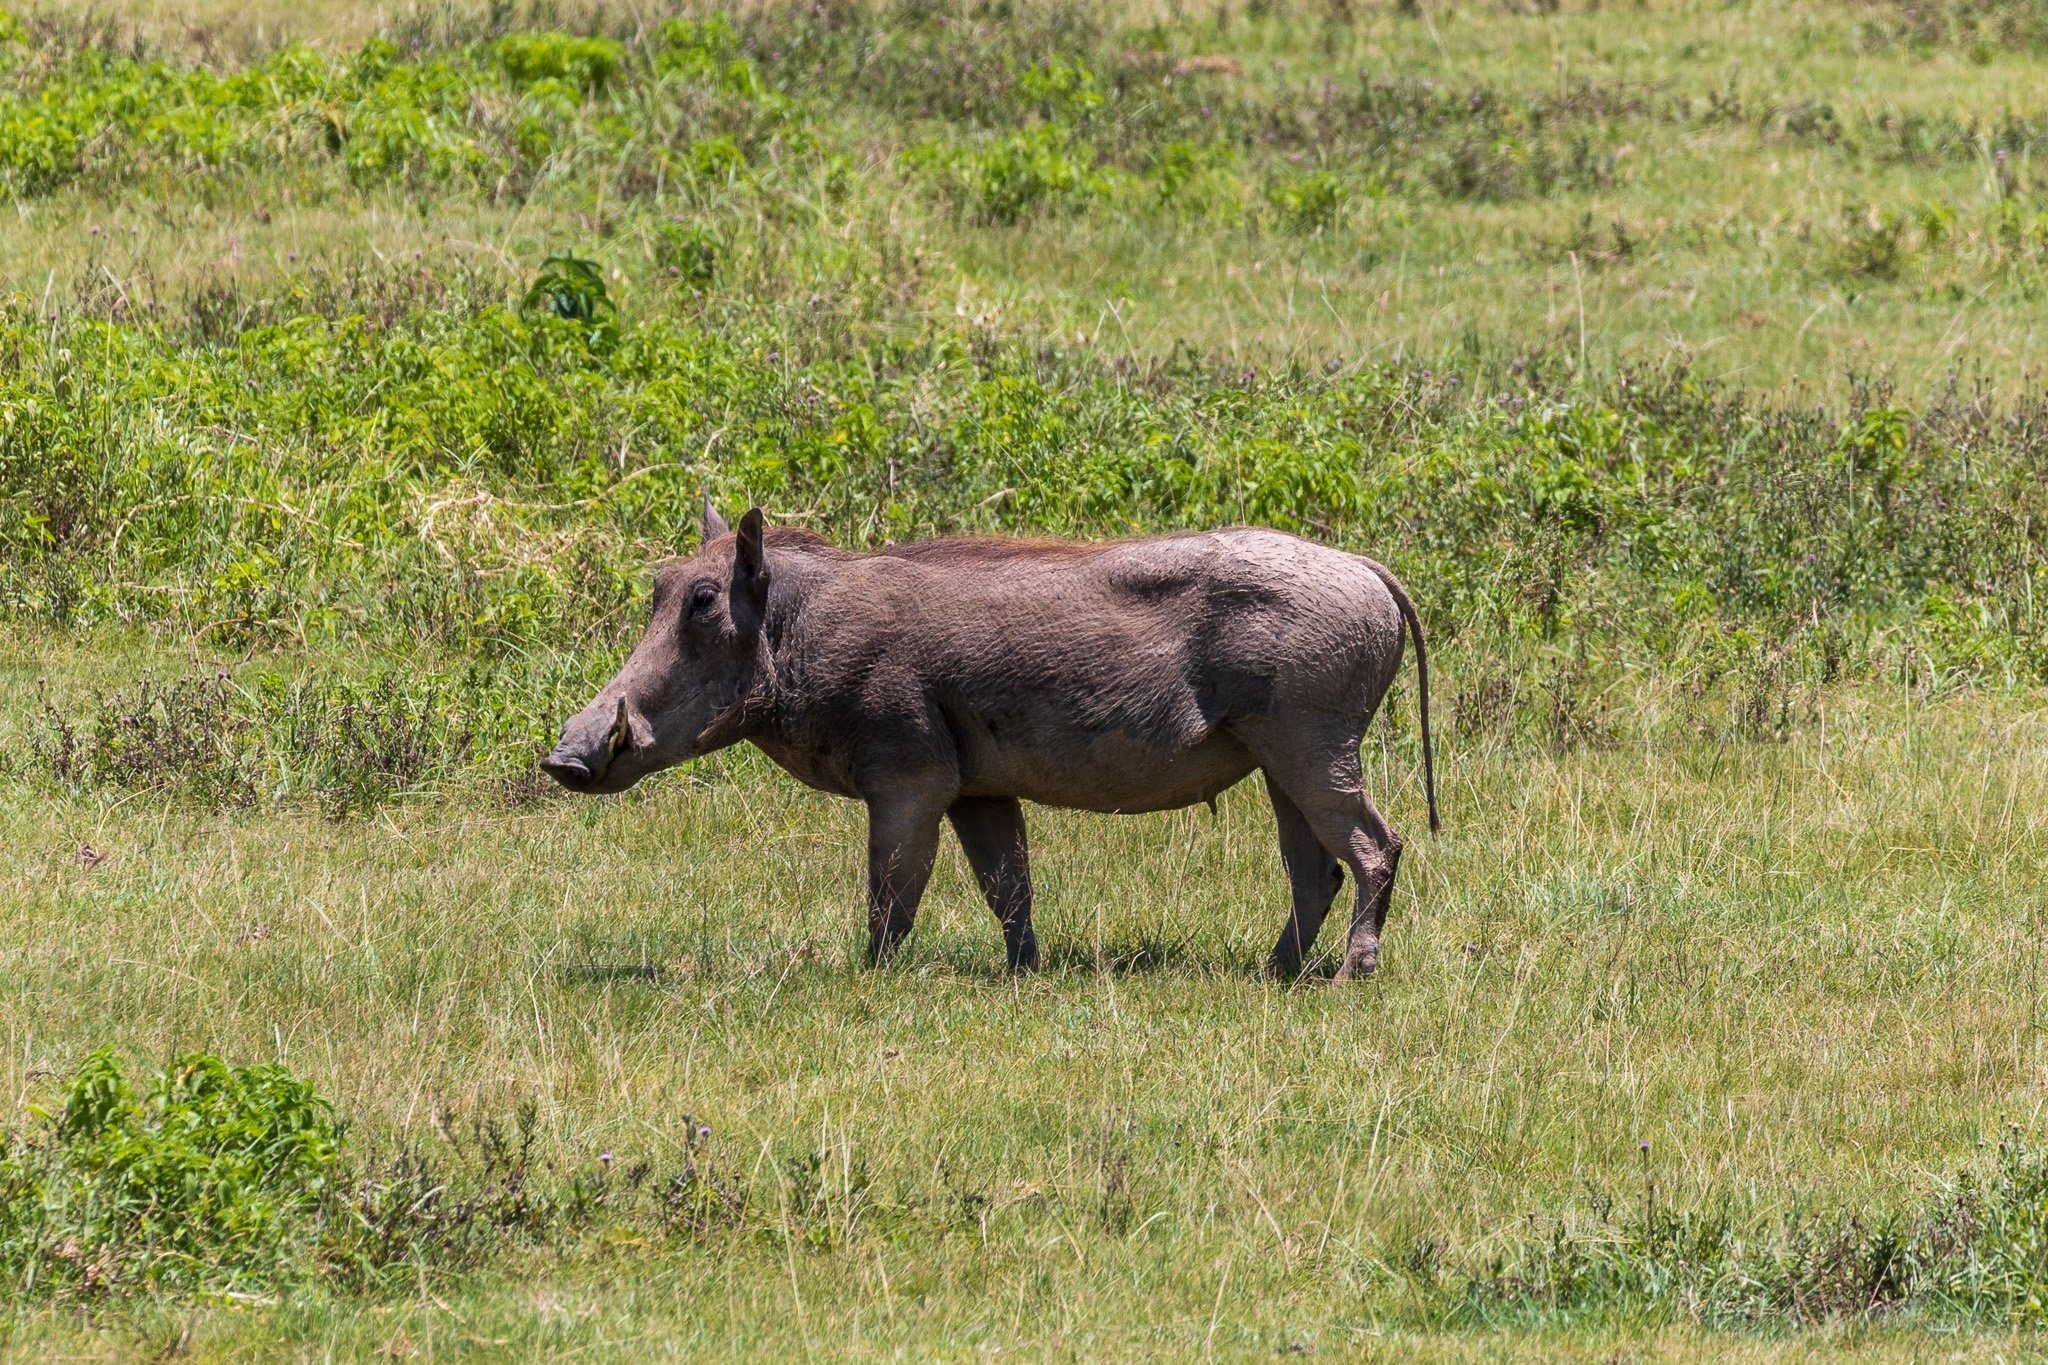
{"x":702,"y":597}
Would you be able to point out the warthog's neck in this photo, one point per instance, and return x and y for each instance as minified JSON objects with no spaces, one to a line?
{"x":788,"y":629}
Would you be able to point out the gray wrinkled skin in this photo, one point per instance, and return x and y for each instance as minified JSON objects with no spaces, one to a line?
{"x":950,"y":680}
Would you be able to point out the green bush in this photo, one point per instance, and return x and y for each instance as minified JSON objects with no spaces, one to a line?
{"x":205,"y":1179}
{"x":707,"y":51}
{"x":1059,"y":88}
{"x":573,"y":289}
{"x":588,"y":64}
{"x":1039,"y":170}
{"x":1196,"y":179}
{"x":1313,"y":204}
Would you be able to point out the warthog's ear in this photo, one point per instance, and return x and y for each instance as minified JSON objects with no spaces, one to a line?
{"x":714,"y":524}
{"x":750,"y":573}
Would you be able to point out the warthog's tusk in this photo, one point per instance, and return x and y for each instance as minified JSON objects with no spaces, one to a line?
{"x":622,"y":736}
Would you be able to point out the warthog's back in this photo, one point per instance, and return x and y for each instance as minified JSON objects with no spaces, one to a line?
{"x":1111,"y":677}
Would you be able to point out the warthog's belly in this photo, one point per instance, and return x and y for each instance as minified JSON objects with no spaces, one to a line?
{"x":1113,"y":774}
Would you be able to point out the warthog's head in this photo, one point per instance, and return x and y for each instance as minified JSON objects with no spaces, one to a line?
{"x":689,"y":685}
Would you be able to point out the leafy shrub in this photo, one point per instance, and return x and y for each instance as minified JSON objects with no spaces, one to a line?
{"x":218,"y":1179}
{"x":207,"y":1178}
{"x":707,"y":50}
{"x":499,"y":117}
{"x":590,"y":65}
{"x":573,"y":289}
{"x":1059,"y":88}
{"x":715,"y":162}
{"x":438,"y":469}
{"x":212,"y":1178}
{"x":1041,"y":169}
{"x":1307,"y":488}
{"x":1312,"y":204}
{"x":1194,"y":177}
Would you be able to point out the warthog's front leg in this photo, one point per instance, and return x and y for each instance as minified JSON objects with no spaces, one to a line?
{"x":991,"y":830}
{"x":903,"y":838}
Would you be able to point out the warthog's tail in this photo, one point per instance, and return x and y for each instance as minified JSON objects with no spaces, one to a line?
{"x":1407,"y":609}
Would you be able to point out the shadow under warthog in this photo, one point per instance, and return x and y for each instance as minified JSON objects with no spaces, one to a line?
{"x":965,"y":956}
{"x":961,"y":955}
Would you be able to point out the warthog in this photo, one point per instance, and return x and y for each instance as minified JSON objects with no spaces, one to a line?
{"x":950,"y":680}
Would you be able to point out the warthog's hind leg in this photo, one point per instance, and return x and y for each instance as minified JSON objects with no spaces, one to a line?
{"x":1374,"y":851}
{"x":1330,"y":795}
{"x":1313,"y":879}
{"x":991,"y":830}
{"x":903,"y":839}
{"x":1385,"y":899}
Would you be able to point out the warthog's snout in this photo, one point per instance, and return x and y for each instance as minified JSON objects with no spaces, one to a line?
{"x":571,"y":772}
{"x":588,"y":747}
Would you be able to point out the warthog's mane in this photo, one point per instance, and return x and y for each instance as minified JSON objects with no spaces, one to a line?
{"x":946,"y":550}
{"x":983,"y":549}
{"x":951,"y":549}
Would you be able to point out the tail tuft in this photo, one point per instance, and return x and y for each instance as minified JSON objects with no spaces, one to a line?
{"x":1414,"y":623}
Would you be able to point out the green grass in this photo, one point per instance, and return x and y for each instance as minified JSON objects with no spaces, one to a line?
{"x":1680,"y":358}
{"x":1809,"y":975}
{"x":1736,"y":146}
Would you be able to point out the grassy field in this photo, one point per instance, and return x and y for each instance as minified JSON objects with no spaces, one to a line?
{"x":1681,"y":358}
